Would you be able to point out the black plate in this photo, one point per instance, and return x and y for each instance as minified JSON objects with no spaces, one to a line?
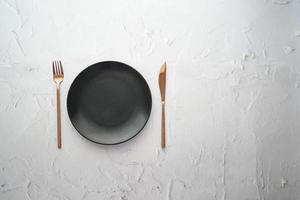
{"x":109,"y":103}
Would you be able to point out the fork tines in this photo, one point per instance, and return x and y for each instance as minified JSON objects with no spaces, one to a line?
{"x":57,"y":68}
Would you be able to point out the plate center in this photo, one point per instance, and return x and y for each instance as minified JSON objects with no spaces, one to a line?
{"x":114,"y":100}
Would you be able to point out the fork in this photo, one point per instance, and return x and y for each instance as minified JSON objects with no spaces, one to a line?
{"x":58,"y":77}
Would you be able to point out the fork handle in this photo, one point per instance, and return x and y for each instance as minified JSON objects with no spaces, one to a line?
{"x":58,"y":116}
{"x":163,"y":126}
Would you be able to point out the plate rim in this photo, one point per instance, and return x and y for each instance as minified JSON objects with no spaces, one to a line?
{"x":137,"y":133}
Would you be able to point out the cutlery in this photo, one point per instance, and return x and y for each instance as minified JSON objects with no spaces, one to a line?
{"x":58,"y":77}
{"x":162,"y":86}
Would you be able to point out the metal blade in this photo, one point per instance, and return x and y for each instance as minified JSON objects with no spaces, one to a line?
{"x":162,"y":81}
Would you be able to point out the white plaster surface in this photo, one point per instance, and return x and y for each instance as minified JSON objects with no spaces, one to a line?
{"x":233,"y":96}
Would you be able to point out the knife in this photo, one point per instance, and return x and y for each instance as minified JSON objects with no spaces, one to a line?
{"x":162,"y":86}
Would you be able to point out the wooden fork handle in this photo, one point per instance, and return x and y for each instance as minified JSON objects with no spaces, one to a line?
{"x":58,"y":116}
{"x":163,"y":126}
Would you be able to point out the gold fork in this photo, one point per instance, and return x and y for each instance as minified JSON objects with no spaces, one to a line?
{"x":58,"y":77}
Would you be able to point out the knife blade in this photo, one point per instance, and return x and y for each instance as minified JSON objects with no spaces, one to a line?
{"x":162,"y":81}
{"x":162,"y":86}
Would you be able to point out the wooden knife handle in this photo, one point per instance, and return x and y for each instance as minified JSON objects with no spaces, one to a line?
{"x":163,"y":126}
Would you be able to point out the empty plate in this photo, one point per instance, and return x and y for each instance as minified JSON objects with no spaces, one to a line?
{"x":109,"y":103}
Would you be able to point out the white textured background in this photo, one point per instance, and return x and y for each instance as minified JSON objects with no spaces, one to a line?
{"x":232,"y":101}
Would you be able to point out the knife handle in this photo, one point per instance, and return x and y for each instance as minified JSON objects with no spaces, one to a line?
{"x":163,"y":126}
